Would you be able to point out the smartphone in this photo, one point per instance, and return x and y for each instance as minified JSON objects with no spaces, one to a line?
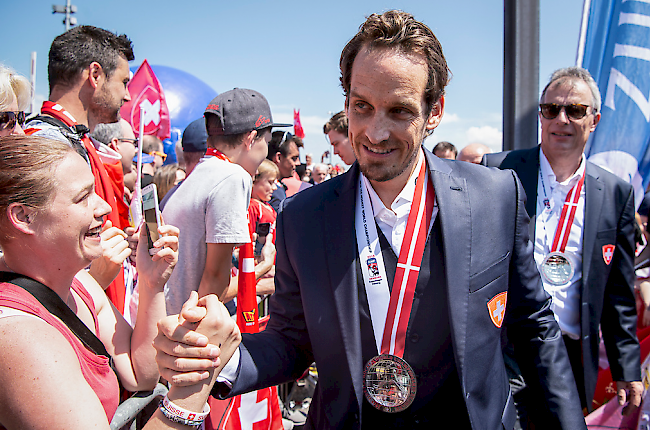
{"x":262,"y":231}
{"x":152,"y":217}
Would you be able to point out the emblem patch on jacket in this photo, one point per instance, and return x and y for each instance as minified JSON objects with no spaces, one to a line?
{"x":608,"y":253}
{"x":497,"y":308}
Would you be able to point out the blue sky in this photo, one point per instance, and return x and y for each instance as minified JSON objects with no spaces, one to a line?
{"x":289,"y":50}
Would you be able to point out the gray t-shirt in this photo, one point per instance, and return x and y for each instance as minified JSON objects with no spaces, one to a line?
{"x":210,"y":206}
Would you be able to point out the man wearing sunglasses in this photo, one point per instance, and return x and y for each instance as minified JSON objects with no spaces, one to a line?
{"x":88,"y":71}
{"x":582,"y":222}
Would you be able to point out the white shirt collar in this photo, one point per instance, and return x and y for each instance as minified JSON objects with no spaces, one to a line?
{"x":549,"y":176}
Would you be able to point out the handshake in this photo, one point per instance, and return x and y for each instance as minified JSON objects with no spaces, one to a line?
{"x":194,"y":346}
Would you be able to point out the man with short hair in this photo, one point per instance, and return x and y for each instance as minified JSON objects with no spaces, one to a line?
{"x":118,"y":137}
{"x":88,"y":71}
{"x":336,"y":130}
{"x":211,"y":205}
{"x":589,"y":273}
{"x":445,"y":150}
{"x":283,"y":151}
{"x":319,"y":173}
{"x":473,"y":153}
{"x":397,"y":276}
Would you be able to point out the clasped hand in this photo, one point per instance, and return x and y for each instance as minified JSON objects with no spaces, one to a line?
{"x":195,"y":345}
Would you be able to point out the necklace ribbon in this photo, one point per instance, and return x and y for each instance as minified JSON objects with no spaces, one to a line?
{"x":214,"y":152}
{"x":397,"y":307}
{"x":564,"y":224}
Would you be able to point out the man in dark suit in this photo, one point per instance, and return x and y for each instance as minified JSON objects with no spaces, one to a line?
{"x":461,"y":226}
{"x":586,"y":256}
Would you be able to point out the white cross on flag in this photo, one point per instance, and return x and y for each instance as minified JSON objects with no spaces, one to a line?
{"x":146,"y":92}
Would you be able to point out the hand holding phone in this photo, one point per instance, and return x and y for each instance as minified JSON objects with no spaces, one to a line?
{"x":152,"y":217}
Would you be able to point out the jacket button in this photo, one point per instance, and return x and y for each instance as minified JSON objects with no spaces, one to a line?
{"x":415,"y":338}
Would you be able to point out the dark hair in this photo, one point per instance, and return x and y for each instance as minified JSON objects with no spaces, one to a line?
{"x":281,"y":144}
{"x":74,"y":50}
{"x":27,"y":165}
{"x":445,"y":146}
{"x":398,"y":30}
{"x":339,"y":122}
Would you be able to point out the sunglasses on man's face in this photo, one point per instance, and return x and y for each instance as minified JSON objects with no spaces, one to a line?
{"x":573,"y":111}
{"x":8,"y":120}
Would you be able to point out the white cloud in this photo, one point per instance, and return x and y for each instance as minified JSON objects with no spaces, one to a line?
{"x":487,"y":135}
{"x":449,"y":118}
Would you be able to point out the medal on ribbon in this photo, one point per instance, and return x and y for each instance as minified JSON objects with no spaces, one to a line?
{"x":389,"y":382}
{"x":557,"y":268}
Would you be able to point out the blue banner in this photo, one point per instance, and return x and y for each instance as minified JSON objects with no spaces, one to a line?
{"x":617,"y":54}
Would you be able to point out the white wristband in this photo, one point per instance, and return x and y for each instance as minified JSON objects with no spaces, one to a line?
{"x":184,"y":413}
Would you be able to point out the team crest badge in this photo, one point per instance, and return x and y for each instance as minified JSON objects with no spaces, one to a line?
{"x":608,"y":253}
{"x":497,"y":308}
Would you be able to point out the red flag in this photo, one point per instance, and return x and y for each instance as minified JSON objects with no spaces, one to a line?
{"x":247,"y":318}
{"x":146,"y":91}
{"x":297,"y":126}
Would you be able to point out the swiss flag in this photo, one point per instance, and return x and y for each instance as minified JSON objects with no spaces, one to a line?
{"x":146,"y":91}
{"x":297,"y":125}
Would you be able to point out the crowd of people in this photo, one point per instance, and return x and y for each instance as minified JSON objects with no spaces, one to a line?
{"x":471,"y":292}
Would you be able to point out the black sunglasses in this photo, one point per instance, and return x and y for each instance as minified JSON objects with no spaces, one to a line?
{"x":573,"y":111}
{"x":8,"y":120}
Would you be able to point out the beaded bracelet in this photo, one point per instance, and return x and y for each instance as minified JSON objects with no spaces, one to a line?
{"x":180,"y":415}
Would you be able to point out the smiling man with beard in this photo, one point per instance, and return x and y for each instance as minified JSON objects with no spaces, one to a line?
{"x":399,"y":276}
{"x":88,"y":71}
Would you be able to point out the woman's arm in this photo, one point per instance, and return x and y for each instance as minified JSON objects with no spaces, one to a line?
{"x":41,"y":384}
{"x":132,"y":350}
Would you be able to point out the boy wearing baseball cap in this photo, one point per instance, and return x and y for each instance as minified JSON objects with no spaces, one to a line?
{"x":210,"y":206}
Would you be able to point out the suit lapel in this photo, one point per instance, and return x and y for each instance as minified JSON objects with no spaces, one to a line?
{"x":594,"y":197}
{"x":455,"y":220}
{"x":341,"y":265}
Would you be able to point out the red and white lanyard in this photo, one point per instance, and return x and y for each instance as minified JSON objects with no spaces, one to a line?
{"x":213,"y":152}
{"x":400,"y":302}
{"x":565,"y":222}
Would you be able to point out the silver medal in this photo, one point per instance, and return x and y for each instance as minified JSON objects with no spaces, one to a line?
{"x":389,"y":383}
{"x":556,"y":268}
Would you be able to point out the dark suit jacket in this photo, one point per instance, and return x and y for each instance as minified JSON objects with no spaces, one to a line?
{"x":315,"y":309}
{"x":607,"y":296}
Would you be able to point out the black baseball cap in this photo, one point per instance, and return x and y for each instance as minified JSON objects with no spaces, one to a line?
{"x":195,"y":137}
{"x":241,"y":110}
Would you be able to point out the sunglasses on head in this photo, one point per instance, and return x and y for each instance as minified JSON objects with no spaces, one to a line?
{"x":8,"y":120}
{"x":573,"y":111}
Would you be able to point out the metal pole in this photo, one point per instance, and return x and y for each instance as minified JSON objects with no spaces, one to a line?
{"x":520,"y":73}
{"x":67,"y":15}
{"x":32,"y":80}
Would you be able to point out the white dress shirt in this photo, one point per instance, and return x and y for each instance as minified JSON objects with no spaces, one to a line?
{"x":566,"y":298}
{"x":392,"y":222}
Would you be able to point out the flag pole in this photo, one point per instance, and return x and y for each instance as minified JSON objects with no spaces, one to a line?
{"x":583,"y":32}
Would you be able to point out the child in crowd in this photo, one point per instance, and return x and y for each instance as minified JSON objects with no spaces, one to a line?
{"x":259,"y":211}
